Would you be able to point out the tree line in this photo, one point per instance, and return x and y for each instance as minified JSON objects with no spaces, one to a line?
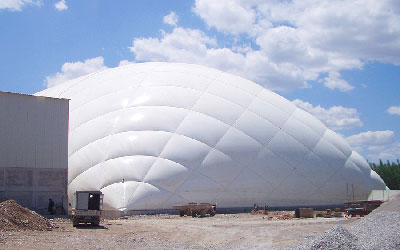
{"x":389,"y":172}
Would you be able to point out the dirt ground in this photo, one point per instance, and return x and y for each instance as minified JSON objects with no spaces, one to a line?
{"x":223,"y":231}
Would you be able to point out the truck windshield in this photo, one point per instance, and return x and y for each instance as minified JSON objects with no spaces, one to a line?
{"x":94,"y":202}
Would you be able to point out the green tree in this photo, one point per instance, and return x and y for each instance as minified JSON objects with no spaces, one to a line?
{"x":389,"y":172}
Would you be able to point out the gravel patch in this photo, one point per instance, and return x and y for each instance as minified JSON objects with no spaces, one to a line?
{"x":376,"y":231}
{"x":335,"y":238}
{"x":379,"y":231}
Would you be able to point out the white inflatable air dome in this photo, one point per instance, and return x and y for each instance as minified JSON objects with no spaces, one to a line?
{"x":154,"y":135}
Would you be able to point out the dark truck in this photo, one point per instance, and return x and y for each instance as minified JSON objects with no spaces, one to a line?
{"x":87,"y":207}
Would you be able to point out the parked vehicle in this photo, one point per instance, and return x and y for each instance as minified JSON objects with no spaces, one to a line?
{"x":87,"y":207}
{"x":197,"y":209}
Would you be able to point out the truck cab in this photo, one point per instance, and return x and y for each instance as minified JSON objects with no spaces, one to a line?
{"x":87,"y":207}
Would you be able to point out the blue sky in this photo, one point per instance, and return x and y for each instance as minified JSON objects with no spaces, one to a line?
{"x":337,"y":59}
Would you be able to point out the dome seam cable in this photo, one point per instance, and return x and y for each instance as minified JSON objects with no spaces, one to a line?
{"x":129,"y":88}
{"x":138,"y":72}
{"x":311,"y":151}
{"x":180,"y":125}
{"x":146,"y":71}
{"x":83,"y":78}
{"x":211,"y":117}
{"x":191,"y":110}
{"x":323,"y":138}
{"x":322,"y":135}
{"x":204,"y":91}
{"x":154,"y":131}
{"x":112,"y":129}
{"x":163,"y":85}
{"x":262,"y":145}
{"x":138,"y":86}
{"x":330,"y":179}
{"x":140,"y":155}
{"x":277,"y":155}
{"x":277,"y":132}
{"x":186,"y":179}
{"x":109,"y":138}
{"x":183,"y":198}
{"x":229,"y":126}
{"x":127,"y":107}
{"x":187,"y":137}
{"x":355,"y":163}
{"x":90,"y":75}
{"x":256,"y":97}
{"x":247,"y":167}
{"x":140,"y":183}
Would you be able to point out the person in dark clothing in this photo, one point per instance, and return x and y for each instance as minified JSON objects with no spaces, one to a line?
{"x":50,"y":208}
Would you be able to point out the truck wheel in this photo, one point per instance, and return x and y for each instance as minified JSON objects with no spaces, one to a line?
{"x":181,"y":213}
{"x":194,"y":214}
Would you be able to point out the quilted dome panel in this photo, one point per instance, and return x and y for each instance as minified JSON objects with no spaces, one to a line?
{"x":153,"y":135}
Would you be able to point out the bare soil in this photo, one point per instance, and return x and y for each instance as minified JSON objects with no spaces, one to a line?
{"x":223,"y":231}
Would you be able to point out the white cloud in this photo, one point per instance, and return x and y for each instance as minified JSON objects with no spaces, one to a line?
{"x":194,"y":46}
{"x":372,"y":138}
{"x":391,"y":153}
{"x":75,"y":69}
{"x":333,"y":81}
{"x":61,"y":5}
{"x":376,"y":145}
{"x":292,"y":42}
{"x":226,"y":15}
{"x":17,"y":5}
{"x":336,"y":117}
{"x":125,"y":62}
{"x":394,"y":110}
{"x":171,"y":19}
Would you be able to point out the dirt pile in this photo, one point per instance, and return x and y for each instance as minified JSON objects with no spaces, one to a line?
{"x":14,"y":217}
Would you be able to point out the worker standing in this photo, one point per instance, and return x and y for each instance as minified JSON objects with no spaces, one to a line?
{"x":50,"y":208}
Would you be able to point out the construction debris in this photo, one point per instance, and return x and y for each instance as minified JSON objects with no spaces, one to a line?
{"x":265,"y":212}
{"x":14,"y":217}
{"x":304,"y":213}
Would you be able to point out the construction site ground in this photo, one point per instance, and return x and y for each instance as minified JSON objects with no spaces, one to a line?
{"x":223,"y":231}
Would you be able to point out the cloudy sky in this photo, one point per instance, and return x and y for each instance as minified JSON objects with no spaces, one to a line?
{"x":337,"y":59}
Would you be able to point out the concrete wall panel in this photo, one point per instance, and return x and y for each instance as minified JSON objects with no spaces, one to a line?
{"x":49,"y":178}
{"x":19,"y":177}
{"x":33,"y":187}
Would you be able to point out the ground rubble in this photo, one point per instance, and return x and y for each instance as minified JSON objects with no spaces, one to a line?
{"x":14,"y":217}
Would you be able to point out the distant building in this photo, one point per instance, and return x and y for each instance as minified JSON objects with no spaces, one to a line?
{"x":33,"y":150}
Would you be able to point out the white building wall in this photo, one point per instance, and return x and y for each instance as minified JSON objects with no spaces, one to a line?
{"x":382,"y":195}
{"x":33,"y":131}
{"x":33,"y":149}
